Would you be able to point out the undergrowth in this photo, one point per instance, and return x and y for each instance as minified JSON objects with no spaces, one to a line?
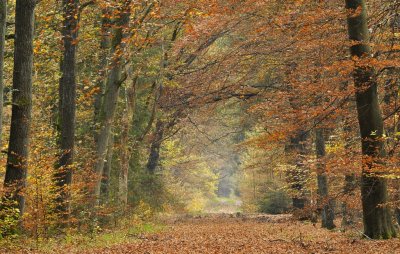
{"x":76,"y":242}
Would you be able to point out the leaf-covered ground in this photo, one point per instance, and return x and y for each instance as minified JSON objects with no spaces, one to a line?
{"x":249,"y":234}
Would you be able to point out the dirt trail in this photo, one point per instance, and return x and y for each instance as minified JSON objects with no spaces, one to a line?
{"x":249,"y":234}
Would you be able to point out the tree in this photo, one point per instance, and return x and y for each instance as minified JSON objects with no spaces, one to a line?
{"x":155,"y":147}
{"x":67,"y":101}
{"x":105,"y":46}
{"x":327,"y":211}
{"x":3,"y":25}
{"x":114,"y":82}
{"x":127,"y":120}
{"x":376,"y":214}
{"x":18,"y":150}
{"x":297,"y":175}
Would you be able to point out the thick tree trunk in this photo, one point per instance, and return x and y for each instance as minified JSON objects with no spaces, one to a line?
{"x":18,"y":149}
{"x":109,"y":104}
{"x":3,"y":22}
{"x":67,"y":103}
{"x":327,"y":211}
{"x":376,"y":214}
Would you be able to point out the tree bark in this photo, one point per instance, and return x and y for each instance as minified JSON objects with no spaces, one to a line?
{"x":67,"y":103}
{"x":18,"y":149}
{"x":397,"y":215}
{"x":376,"y":214}
{"x":109,"y":104}
{"x":3,"y":23}
{"x":327,"y":212}
{"x":105,"y":46}
{"x":105,"y":181}
{"x":350,"y":179}
{"x":350,"y":184}
{"x":125,"y":144}
{"x":297,"y":148}
{"x":155,"y":148}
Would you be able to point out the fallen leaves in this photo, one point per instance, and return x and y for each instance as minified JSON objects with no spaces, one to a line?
{"x":249,"y":234}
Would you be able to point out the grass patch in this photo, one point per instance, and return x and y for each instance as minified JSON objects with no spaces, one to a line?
{"x":77,"y":242}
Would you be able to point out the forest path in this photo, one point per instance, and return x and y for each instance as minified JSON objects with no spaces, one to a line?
{"x":248,"y":234}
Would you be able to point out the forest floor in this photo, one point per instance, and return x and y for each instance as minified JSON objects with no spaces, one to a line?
{"x":249,"y":234}
{"x":225,"y":233}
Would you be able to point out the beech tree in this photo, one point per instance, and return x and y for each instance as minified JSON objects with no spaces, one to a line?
{"x":376,"y":214}
{"x":3,"y":30}
{"x":327,"y":203}
{"x":166,"y":101}
{"x":114,"y":82}
{"x":67,"y":100}
{"x":298,"y":173}
{"x":105,"y":46}
{"x":18,"y":149}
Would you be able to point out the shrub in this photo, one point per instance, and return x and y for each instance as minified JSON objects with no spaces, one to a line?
{"x":9,"y":218}
{"x":274,"y":202}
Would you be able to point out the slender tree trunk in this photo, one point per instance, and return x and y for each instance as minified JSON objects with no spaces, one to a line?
{"x":123,"y":175}
{"x":396,"y":199}
{"x":18,"y":149}
{"x":109,"y":104}
{"x":350,"y":179}
{"x":350,"y":184}
{"x":327,"y":213}
{"x":155,"y":148}
{"x":125,"y":144}
{"x":154,"y":156}
{"x":3,"y":22}
{"x":105,"y":181}
{"x":376,"y":214}
{"x":297,"y":149}
{"x":105,"y":46}
{"x":67,"y":103}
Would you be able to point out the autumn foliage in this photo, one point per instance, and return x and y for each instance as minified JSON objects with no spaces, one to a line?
{"x":147,"y":108}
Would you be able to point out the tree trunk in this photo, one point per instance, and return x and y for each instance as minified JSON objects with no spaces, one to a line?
{"x":3,"y":22}
{"x":125,"y":144}
{"x":109,"y":104}
{"x":67,"y":103}
{"x":327,"y":212}
{"x":123,"y":174}
{"x":376,"y":214}
{"x":350,"y":184}
{"x":350,"y":179}
{"x":105,"y":46}
{"x":155,"y":148}
{"x":297,"y":149}
{"x":105,"y":181}
{"x":18,"y":149}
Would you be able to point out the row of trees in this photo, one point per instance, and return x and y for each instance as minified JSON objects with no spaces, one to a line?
{"x":107,"y":90}
{"x":322,"y":82}
{"x":115,"y":83}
